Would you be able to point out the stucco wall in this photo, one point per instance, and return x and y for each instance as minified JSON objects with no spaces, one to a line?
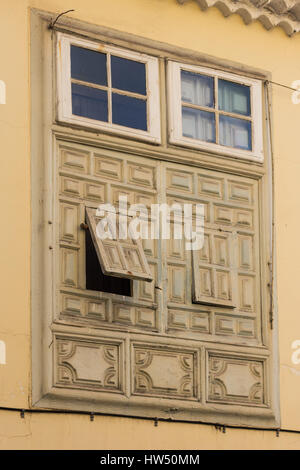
{"x":185,"y":26}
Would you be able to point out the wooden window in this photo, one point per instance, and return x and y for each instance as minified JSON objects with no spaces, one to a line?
{"x":215,"y":110}
{"x":195,"y":343}
{"x":118,"y":257}
{"x":108,"y":88}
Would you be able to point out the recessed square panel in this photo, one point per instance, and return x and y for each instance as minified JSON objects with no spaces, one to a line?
{"x":113,"y":255}
{"x":133,"y":259}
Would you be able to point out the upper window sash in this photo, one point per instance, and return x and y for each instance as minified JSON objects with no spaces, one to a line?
{"x":211,"y":108}
{"x":107,"y":89}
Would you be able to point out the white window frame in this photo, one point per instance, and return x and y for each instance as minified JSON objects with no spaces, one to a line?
{"x":175,"y":114}
{"x":64,"y":114}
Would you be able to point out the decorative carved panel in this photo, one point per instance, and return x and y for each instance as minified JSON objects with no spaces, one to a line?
{"x":235,"y":380}
{"x":90,"y":365}
{"x":164,"y":372}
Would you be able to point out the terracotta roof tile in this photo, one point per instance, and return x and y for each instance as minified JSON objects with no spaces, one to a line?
{"x":271,"y":13}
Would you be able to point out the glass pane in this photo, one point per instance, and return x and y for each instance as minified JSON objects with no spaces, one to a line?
{"x":88,"y":65}
{"x":234,"y":98}
{"x":129,"y":112}
{"x":128,"y":75}
{"x":197,"y":89}
{"x":89,"y":102}
{"x":198,"y":124}
{"x":235,"y":132}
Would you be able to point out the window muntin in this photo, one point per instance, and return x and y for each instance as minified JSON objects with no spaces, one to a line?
{"x":215,"y":110}
{"x":108,"y":88}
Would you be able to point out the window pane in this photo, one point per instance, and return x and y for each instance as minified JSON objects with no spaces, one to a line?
{"x":234,"y":98}
{"x":88,"y":65}
{"x":128,"y":75}
{"x":129,"y":112}
{"x":197,"y":89}
{"x":198,"y":124}
{"x":235,"y":132}
{"x":89,"y":102}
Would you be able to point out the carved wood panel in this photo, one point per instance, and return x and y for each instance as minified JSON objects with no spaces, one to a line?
{"x":93,"y":365}
{"x":164,"y":372}
{"x":236,"y":380}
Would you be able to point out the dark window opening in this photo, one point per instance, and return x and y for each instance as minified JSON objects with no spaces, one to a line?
{"x":95,"y":279}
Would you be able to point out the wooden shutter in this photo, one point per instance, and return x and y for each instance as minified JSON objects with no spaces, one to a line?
{"x":213,"y":269}
{"x":119,"y":257}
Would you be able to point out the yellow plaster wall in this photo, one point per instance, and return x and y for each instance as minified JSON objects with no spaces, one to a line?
{"x":69,"y":431}
{"x":186,"y":26}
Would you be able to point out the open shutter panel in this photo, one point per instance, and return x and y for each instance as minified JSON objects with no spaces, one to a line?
{"x":119,"y":257}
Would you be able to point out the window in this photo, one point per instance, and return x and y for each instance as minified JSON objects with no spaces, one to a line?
{"x":216,"y":111}
{"x":107,"y":88}
{"x":148,"y":327}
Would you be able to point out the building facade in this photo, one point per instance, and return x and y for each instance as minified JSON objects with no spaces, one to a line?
{"x":165,"y":107}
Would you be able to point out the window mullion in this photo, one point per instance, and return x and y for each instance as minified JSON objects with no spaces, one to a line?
{"x":217,"y":109}
{"x":109,"y":91}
